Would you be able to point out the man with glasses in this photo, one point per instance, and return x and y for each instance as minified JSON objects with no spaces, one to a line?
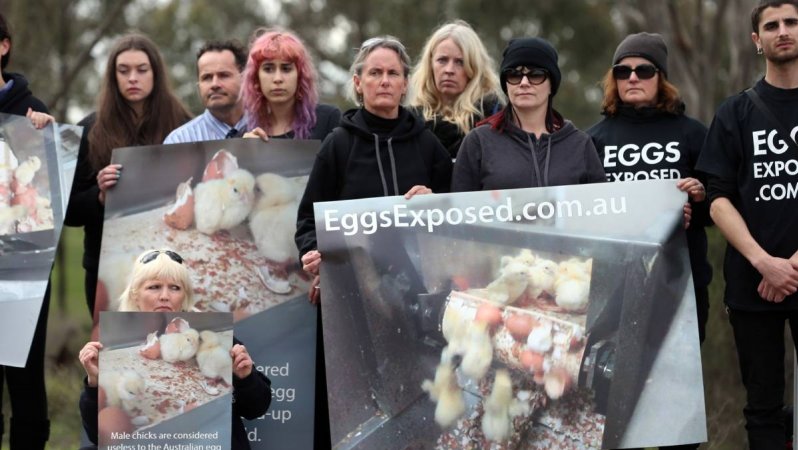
{"x":752,"y":159}
{"x":219,"y":67}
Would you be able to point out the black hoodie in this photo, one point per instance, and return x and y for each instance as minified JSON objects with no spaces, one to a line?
{"x":19,"y":98}
{"x":358,"y":161}
{"x":647,"y":143}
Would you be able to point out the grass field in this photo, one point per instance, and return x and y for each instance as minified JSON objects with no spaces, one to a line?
{"x":69,"y":325}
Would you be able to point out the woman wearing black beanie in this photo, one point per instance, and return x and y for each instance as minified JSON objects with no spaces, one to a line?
{"x":528,"y":143}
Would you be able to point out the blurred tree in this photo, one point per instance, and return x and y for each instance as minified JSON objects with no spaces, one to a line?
{"x":63,"y":53}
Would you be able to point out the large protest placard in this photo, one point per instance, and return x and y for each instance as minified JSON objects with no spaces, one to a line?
{"x":229,"y":209}
{"x":36,"y":171}
{"x":160,"y":384}
{"x":559,"y":317}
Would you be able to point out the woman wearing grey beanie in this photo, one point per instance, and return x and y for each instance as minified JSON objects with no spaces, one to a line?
{"x":646,"y":135}
{"x":528,"y":143}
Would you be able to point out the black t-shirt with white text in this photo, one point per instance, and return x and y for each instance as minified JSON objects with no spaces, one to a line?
{"x":647,"y":143}
{"x":745,"y":149}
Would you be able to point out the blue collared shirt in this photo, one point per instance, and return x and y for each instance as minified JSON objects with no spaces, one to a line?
{"x":204,"y":127}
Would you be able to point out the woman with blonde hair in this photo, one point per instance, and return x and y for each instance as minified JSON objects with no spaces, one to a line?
{"x":156,"y":271}
{"x":454,"y":84}
{"x":160,"y":282}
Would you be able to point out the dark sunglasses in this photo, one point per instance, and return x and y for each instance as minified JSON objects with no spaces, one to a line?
{"x":643,"y":71}
{"x":534,"y":76}
{"x":154,"y":254}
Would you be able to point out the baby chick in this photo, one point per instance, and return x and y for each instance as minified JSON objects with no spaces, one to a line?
{"x":24,"y":173}
{"x":122,"y":388}
{"x":541,"y":277}
{"x":273,"y":224}
{"x":573,"y":269}
{"x":496,"y":420}
{"x":213,"y":358}
{"x":179,"y":346}
{"x":478,"y":353}
{"x":221,"y":204}
{"x":573,"y":294}
{"x":9,"y":217}
{"x":512,"y":282}
{"x":446,"y":392}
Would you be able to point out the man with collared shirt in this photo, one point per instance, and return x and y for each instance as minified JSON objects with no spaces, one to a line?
{"x":219,"y":67}
{"x":752,"y":184}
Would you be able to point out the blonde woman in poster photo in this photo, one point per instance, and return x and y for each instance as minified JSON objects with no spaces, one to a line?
{"x":160,"y":282}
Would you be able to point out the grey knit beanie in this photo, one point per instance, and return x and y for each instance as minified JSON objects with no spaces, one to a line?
{"x":650,"y":46}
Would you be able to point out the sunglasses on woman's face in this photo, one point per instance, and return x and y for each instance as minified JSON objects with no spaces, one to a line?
{"x":643,"y":71}
{"x":154,"y":254}
{"x":534,"y":76}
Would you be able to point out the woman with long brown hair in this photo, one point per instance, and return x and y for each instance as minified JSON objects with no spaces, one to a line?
{"x":136,"y":106}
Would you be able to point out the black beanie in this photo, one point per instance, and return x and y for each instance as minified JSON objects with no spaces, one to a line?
{"x":531,"y":52}
{"x":650,"y":46}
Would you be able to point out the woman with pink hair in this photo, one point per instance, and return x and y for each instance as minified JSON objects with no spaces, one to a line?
{"x":279,"y":90}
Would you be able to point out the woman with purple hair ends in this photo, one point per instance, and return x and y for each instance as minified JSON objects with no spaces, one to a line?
{"x":279,"y":90}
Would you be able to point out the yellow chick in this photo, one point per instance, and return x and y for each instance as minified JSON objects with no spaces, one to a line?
{"x":213,"y":358}
{"x":26,"y":170}
{"x":478,"y":353}
{"x":541,"y":277}
{"x":573,"y":294}
{"x":122,"y":388}
{"x":9,"y":215}
{"x":573,"y":268}
{"x":446,"y":392}
{"x":179,"y":346}
{"x":496,"y":422}
{"x":221,"y":204}
{"x":273,"y":224}
{"x":512,"y":282}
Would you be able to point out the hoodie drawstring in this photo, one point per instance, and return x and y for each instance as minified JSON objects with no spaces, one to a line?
{"x":543,"y":180}
{"x":382,"y":171}
{"x":548,"y":158}
{"x":393,"y":167}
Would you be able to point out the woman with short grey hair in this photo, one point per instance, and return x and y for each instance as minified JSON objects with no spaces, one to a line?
{"x":370,"y":45}
{"x":380,"y":149}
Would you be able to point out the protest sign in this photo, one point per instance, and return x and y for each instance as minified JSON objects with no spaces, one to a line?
{"x":229,"y":209}
{"x":154,"y":387}
{"x":36,"y":171}
{"x":559,"y":317}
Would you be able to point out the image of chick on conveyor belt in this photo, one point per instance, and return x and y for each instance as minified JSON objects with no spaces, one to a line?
{"x":519,"y":350}
{"x":234,"y":229}
{"x":24,"y":194}
{"x":178,"y":368}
